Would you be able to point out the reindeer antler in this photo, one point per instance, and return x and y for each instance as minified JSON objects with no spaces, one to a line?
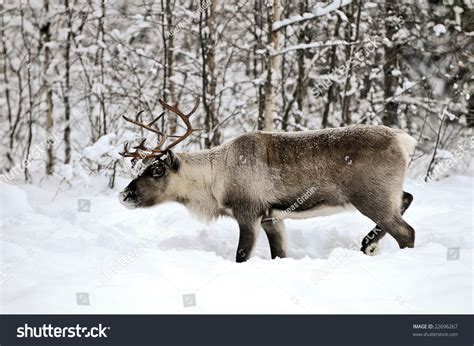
{"x":184,"y":117}
{"x":141,"y":151}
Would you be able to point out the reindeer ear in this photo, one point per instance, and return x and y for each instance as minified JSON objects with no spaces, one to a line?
{"x":171,"y":160}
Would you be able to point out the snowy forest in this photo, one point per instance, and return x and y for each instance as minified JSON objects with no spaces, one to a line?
{"x":69,"y":71}
{"x":71,"y":68}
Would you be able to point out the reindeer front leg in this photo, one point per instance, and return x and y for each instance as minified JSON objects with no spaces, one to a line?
{"x":249,"y":230}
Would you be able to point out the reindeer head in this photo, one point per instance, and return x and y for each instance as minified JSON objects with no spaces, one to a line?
{"x":158,"y":165}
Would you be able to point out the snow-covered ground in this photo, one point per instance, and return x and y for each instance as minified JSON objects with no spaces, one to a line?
{"x":58,"y":259}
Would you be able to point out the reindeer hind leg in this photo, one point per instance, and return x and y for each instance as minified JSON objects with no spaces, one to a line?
{"x":370,"y":241}
{"x":276,"y":234}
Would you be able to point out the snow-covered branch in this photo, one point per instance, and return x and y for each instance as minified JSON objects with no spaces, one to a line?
{"x":319,"y":12}
{"x":317,"y":45}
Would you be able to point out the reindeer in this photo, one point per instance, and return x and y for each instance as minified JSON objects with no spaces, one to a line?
{"x":259,"y":179}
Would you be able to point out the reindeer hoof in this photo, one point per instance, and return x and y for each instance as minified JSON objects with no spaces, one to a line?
{"x":371,"y":249}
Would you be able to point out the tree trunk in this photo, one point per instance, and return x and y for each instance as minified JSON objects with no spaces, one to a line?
{"x":208,"y":47}
{"x":258,"y":61}
{"x":301,"y":87}
{"x":354,"y":36}
{"x":46,"y":38}
{"x":389,"y":116}
{"x":332,"y":94}
{"x":30,"y":91}
{"x":67,"y":106}
{"x":9,"y":154}
{"x":169,"y":94}
{"x":102,"y":72}
{"x":470,"y":114}
{"x":273,"y":61}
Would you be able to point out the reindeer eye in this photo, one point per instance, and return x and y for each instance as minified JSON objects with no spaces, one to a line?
{"x":158,"y":171}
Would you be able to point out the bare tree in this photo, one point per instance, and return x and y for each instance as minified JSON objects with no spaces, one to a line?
{"x":331,"y":94}
{"x":273,"y":60}
{"x":67,"y":91}
{"x":301,"y":84}
{"x":45,"y":39}
{"x":208,"y":51}
{"x":389,"y":117}
{"x":168,"y":53}
{"x":258,"y":60}
{"x":100,"y":62}
{"x":5,"y":71}
{"x":29,"y":81}
{"x":353,"y":34}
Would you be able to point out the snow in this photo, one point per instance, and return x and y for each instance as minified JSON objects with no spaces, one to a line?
{"x":396,"y":72}
{"x":101,"y":147}
{"x":315,"y":45}
{"x":13,"y":201}
{"x":439,"y":29}
{"x":67,"y":171}
{"x":444,"y":154}
{"x":342,"y":15}
{"x":144,"y":261}
{"x":369,"y":5}
{"x":318,"y":11}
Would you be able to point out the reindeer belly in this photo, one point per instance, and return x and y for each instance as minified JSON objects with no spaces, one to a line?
{"x":322,"y":210}
{"x":309,"y":203}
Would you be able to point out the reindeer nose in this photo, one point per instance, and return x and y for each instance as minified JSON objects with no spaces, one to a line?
{"x":129,"y":194}
{"x":128,"y":198}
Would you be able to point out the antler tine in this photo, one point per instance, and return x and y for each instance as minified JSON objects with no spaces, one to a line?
{"x":125,"y":152}
{"x":157,"y":150}
{"x":156,"y":119}
{"x":145,"y":126}
{"x":137,"y":154}
{"x":184,"y":117}
{"x":175,"y":109}
{"x":162,"y":141}
{"x":141,"y":145}
{"x":196,"y":105}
